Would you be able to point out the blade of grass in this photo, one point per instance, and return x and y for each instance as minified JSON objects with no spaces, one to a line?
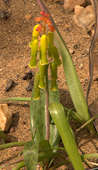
{"x":12,"y":144}
{"x":86,"y":123}
{"x":19,"y":165}
{"x":90,"y":156}
{"x":14,"y":99}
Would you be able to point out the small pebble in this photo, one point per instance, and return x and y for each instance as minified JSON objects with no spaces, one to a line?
{"x":76,"y":46}
{"x":59,"y":2}
{"x":9,"y":85}
{"x":81,"y":66}
{"x":30,"y":86}
{"x":68,"y":29}
{"x":4,"y":15}
{"x":28,"y":75}
{"x":6,"y":1}
{"x":12,"y":129}
{"x":96,"y":79}
{"x":71,"y":51}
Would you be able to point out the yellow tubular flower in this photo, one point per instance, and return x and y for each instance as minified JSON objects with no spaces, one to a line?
{"x":35,"y":33}
{"x":53,"y":67}
{"x":34,"y":50}
{"x":43,"y":49}
{"x":36,"y":90}
{"x":42,"y":71}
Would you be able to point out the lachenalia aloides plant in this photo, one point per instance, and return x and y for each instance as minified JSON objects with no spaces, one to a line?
{"x":44,"y":57}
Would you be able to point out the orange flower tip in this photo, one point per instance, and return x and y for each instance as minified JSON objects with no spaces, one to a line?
{"x":39,"y":28}
{"x":43,"y":13}
{"x":51,"y":28}
{"x":38,"y":19}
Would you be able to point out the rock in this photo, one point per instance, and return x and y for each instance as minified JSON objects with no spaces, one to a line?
{"x":30,"y":86}
{"x":5,"y":117}
{"x":10,"y":85}
{"x":6,"y":2}
{"x":28,"y":75}
{"x":81,"y":66}
{"x":4,"y":14}
{"x":71,"y":51}
{"x":76,"y":46}
{"x":59,"y":2}
{"x":84,"y":17}
{"x":96,"y":79}
{"x":70,"y":4}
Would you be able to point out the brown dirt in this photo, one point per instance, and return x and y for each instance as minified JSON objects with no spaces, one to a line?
{"x":15,"y":35}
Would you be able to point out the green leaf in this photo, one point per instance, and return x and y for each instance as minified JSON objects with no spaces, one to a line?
{"x":73,"y":82}
{"x":35,"y":152}
{"x":65,"y":131}
{"x":31,"y":155}
{"x":54,"y":135}
{"x":45,"y":151}
{"x":37,"y":114}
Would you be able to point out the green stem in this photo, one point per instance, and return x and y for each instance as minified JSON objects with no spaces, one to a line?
{"x":47,"y":116}
{"x":19,"y":165}
{"x":12,"y":144}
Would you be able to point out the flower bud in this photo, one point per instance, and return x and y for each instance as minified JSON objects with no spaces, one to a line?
{"x":43,"y":49}
{"x":35,"y":32}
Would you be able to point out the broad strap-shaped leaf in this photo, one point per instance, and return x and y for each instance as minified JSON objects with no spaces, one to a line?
{"x":65,"y":131}
{"x":73,"y":82}
{"x":37,"y":114}
{"x":54,"y":135}
{"x":31,"y":150}
{"x":37,"y":117}
{"x":35,"y":152}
